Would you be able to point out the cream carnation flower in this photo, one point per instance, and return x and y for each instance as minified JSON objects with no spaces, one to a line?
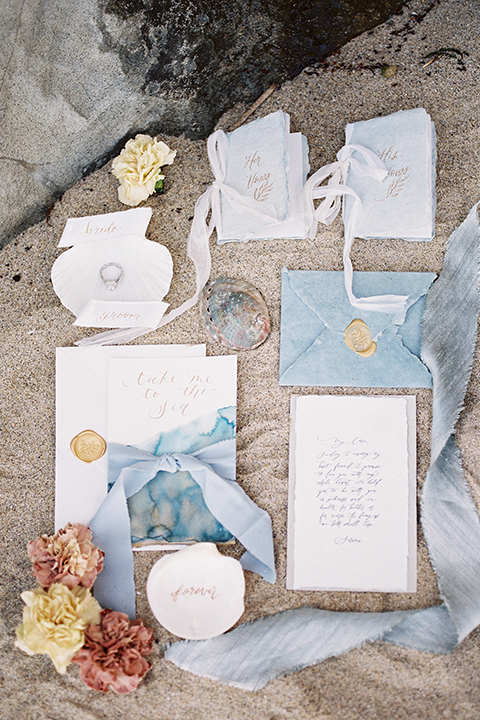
{"x":138,"y":168}
{"x":54,"y":622}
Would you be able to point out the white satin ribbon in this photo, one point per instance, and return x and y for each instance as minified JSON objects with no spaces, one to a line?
{"x":328,"y":210}
{"x":197,"y":248}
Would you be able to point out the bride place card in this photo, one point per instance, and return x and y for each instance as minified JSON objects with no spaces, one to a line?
{"x":265,"y":163}
{"x":109,"y":225}
{"x":159,"y":408}
{"x":352,"y":499}
{"x":403,"y":204}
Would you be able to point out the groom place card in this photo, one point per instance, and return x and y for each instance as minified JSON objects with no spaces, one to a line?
{"x":351,"y":517}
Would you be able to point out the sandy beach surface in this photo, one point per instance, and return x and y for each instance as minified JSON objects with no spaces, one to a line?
{"x":378,"y":681}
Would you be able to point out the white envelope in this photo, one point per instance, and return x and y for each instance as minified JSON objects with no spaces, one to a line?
{"x":81,"y":404}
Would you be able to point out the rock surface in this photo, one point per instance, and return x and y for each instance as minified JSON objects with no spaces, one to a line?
{"x":78,"y":78}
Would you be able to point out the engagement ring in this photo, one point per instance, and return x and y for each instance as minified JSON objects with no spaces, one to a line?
{"x":111,"y":274}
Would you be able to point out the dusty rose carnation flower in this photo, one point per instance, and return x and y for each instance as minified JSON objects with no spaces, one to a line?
{"x":112,"y":656}
{"x":68,"y":557}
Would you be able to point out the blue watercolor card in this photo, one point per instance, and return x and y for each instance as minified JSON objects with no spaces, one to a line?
{"x":403,"y":204}
{"x":326,"y":341}
{"x":162,"y":407}
{"x":267,"y":163}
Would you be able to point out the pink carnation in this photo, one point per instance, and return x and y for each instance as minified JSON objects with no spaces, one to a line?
{"x":68,"y":557}
{"x":112,"y":656}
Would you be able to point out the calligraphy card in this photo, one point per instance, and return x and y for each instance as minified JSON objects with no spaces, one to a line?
{"x":267,"y":163}
{"x":351,"y":516}
{"x":111,"y":225}
{"x":403,"y":204}
{"x":163,"y":407}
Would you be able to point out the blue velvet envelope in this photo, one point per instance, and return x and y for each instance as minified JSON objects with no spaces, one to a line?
{"x":316,"y":313}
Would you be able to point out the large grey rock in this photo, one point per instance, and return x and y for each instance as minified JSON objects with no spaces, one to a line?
{"x":80,"y":77}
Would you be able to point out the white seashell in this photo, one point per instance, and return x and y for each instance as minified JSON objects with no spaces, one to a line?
{"x":144,"y":270}
{"x":196,"y":593}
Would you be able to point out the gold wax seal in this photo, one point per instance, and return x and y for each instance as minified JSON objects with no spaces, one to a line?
{"x":359,"y":338}
{"x":88,"y":446}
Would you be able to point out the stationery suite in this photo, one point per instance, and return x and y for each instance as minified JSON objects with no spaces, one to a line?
{"x":166,"y":422}
{"x":352,"y":479}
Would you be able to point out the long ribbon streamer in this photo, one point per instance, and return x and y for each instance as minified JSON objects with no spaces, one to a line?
{"x":253,"y":654}
{"x":328,"y":210}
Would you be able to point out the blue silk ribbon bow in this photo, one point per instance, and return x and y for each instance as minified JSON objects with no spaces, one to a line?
{"x":213,"y":468}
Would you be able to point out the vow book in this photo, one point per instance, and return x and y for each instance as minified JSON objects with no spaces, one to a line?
{"x":264,"y":161}
{"x":351,"y":514}
{"x":403,"y":204}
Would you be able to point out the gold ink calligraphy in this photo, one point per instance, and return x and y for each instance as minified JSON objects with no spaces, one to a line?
{"x":397,"y":176}
{"x":258,"y":181}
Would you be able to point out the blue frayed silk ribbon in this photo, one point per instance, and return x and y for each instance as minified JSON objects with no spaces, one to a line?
{"x":254,"y":653}
{"x":213,"y":468}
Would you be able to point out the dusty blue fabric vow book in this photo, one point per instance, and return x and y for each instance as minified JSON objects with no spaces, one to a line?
{"x":403,"y":204}
{"x":325,"y":341}
{"x":264,"y":161}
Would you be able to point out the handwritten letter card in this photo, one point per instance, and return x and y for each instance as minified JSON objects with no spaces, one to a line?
{"x":351,"y":523}
{"x":158,"y":407}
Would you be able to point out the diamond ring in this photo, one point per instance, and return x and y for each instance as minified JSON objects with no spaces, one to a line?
{"x":111,"y":274}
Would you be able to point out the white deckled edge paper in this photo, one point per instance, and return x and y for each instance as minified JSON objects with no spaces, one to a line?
{"x":105,"y":314}
{"x":110,"y":225}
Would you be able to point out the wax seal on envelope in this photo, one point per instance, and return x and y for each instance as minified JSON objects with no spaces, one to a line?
{"x":358,"y":338}
{"x":196,"y":593}
{"x":88,"y":446}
